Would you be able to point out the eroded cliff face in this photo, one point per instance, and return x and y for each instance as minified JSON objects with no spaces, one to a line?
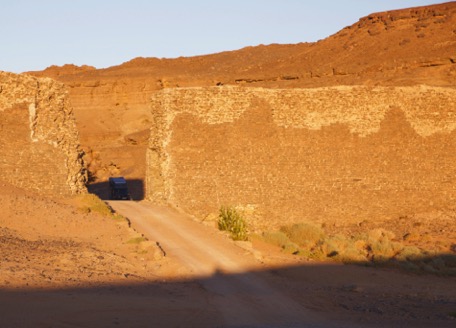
{"x":39,"y":146}
{"x":406,"y":47}
{"x":323,"y":154}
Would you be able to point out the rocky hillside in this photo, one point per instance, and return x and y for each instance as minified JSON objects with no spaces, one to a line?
{"x":402,"y":47}
{"x":397,"y":48}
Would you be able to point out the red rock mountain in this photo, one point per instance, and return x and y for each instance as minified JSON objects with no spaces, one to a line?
{"x":399,"y":47}
{"x":396,"y":48}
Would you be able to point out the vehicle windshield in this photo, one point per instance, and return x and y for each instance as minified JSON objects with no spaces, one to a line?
{"x":122,"y":191}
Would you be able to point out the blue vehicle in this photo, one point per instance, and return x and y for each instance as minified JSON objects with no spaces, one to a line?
{"x":119,"y":189}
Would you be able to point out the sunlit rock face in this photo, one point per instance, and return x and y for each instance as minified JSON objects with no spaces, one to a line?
{"x":39,"y":146}
{"x":321,"y":154}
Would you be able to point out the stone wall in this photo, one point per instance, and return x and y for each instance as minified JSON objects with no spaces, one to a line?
{"x":39,"y":146}
{"x":324,"y":154}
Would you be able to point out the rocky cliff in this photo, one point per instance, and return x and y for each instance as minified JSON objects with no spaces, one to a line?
{"x":324,"y":154}
{"x":39,"y":146}
{"x":397,"y":48}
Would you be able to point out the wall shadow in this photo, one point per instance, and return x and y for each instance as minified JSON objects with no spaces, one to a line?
{"x":317,"y":295}
{"x":136,"y":188}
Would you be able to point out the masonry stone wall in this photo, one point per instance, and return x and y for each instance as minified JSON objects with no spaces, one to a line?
{"x":325,"y":154}
{"x":39,"y":146}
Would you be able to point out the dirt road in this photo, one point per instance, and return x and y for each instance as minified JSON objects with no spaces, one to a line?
{"x":59,"y":268}
{"x":226,"y":271}
{"x":237,"y":290}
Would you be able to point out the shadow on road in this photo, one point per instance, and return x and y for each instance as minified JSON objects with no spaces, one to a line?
{"x":327,"y":296}
{"x":135,"y":186}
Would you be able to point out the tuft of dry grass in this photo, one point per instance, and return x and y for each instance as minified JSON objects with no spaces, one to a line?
{"x":231,"y":220}
{"x":89,"y":203}
{"x":136,"y":240}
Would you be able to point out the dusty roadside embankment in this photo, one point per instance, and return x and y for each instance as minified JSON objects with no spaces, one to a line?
{"x":68,"y":242}
{"x":50,"y":237}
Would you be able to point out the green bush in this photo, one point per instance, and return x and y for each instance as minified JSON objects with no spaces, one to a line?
{"x":230,"y":220}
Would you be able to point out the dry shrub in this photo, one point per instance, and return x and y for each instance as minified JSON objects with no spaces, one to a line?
{"x":352,"y":255}
{"x":409,"y":253}
{"x":341,"y":248}
{"x":304,"y":234}
{"x":334,"y":245}
{"x":281,"y":240}
{"x":360,"y":245}
{"x":291,"y":248}
{"x":380,"y":245}
{"x":376,"y":246}
{"x":314,"y":253}
{"x":230,"y":220}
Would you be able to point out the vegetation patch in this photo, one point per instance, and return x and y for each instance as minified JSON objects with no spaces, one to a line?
{"x":280,"y":239}
{"x":90,"y":203}
{"x":373,"y":247}
{"x":231,"y":220}
{"x":136,"y":240}
{"x":304,"y":234}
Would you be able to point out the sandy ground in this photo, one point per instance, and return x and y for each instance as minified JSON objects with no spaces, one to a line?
{"x":65,"y":266}
{"x":62,"y":265}
{"x":91,"y":276}
{"x":241,"y":297}
{"x":249,"y":287}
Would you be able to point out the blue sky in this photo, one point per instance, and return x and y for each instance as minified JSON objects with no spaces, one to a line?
{"x":103,"y":33}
